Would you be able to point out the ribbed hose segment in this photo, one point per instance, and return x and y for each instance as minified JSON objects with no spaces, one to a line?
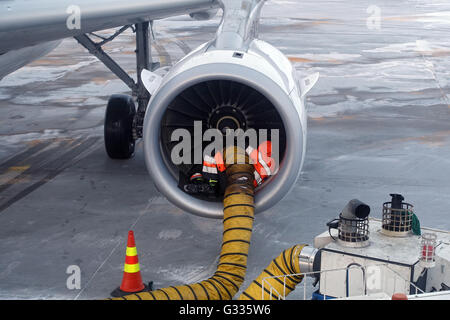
{"x":237,"y":230}
{"x":286,"y":263}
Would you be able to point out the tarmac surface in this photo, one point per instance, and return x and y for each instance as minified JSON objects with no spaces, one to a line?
{"x":379,"y":123}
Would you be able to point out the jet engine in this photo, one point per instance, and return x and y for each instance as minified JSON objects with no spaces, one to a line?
{"x":253,"y":87}
{"x":256,"y":89}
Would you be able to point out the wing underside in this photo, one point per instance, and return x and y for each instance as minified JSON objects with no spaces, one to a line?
{"x":45,"y":20}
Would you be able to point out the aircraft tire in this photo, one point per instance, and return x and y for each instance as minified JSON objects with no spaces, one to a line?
{"x":119,"y":141}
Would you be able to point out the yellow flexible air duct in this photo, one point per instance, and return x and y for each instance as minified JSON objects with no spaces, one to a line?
{"x":237,"y":230}
{"x":279,"y":280}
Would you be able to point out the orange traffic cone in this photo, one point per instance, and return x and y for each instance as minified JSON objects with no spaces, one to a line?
{"x":132,"y":280}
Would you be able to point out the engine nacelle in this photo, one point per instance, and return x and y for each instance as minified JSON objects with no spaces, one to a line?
{"x":257,"y":89}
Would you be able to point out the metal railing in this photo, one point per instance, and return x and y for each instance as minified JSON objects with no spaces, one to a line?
{"x":282,"y":295}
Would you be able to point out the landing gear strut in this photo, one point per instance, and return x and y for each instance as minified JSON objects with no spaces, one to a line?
{"x":123,"y":123}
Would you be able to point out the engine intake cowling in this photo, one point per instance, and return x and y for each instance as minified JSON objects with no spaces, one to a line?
{"x":226,"y":89}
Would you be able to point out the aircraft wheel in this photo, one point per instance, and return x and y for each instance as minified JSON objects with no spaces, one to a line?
{"x":119,"y":142}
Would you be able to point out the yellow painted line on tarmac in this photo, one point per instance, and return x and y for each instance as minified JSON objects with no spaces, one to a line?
{"x":12,"y":175}
{"x":32,"y":143}
{"x":306,"y":60}
{"x":302,"y":60}
{"x":163,"y":60}
{"x":19,"y":168}
{"x":404,"y":18}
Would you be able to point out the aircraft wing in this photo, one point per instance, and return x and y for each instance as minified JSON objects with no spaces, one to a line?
{"x":24,"y":23}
